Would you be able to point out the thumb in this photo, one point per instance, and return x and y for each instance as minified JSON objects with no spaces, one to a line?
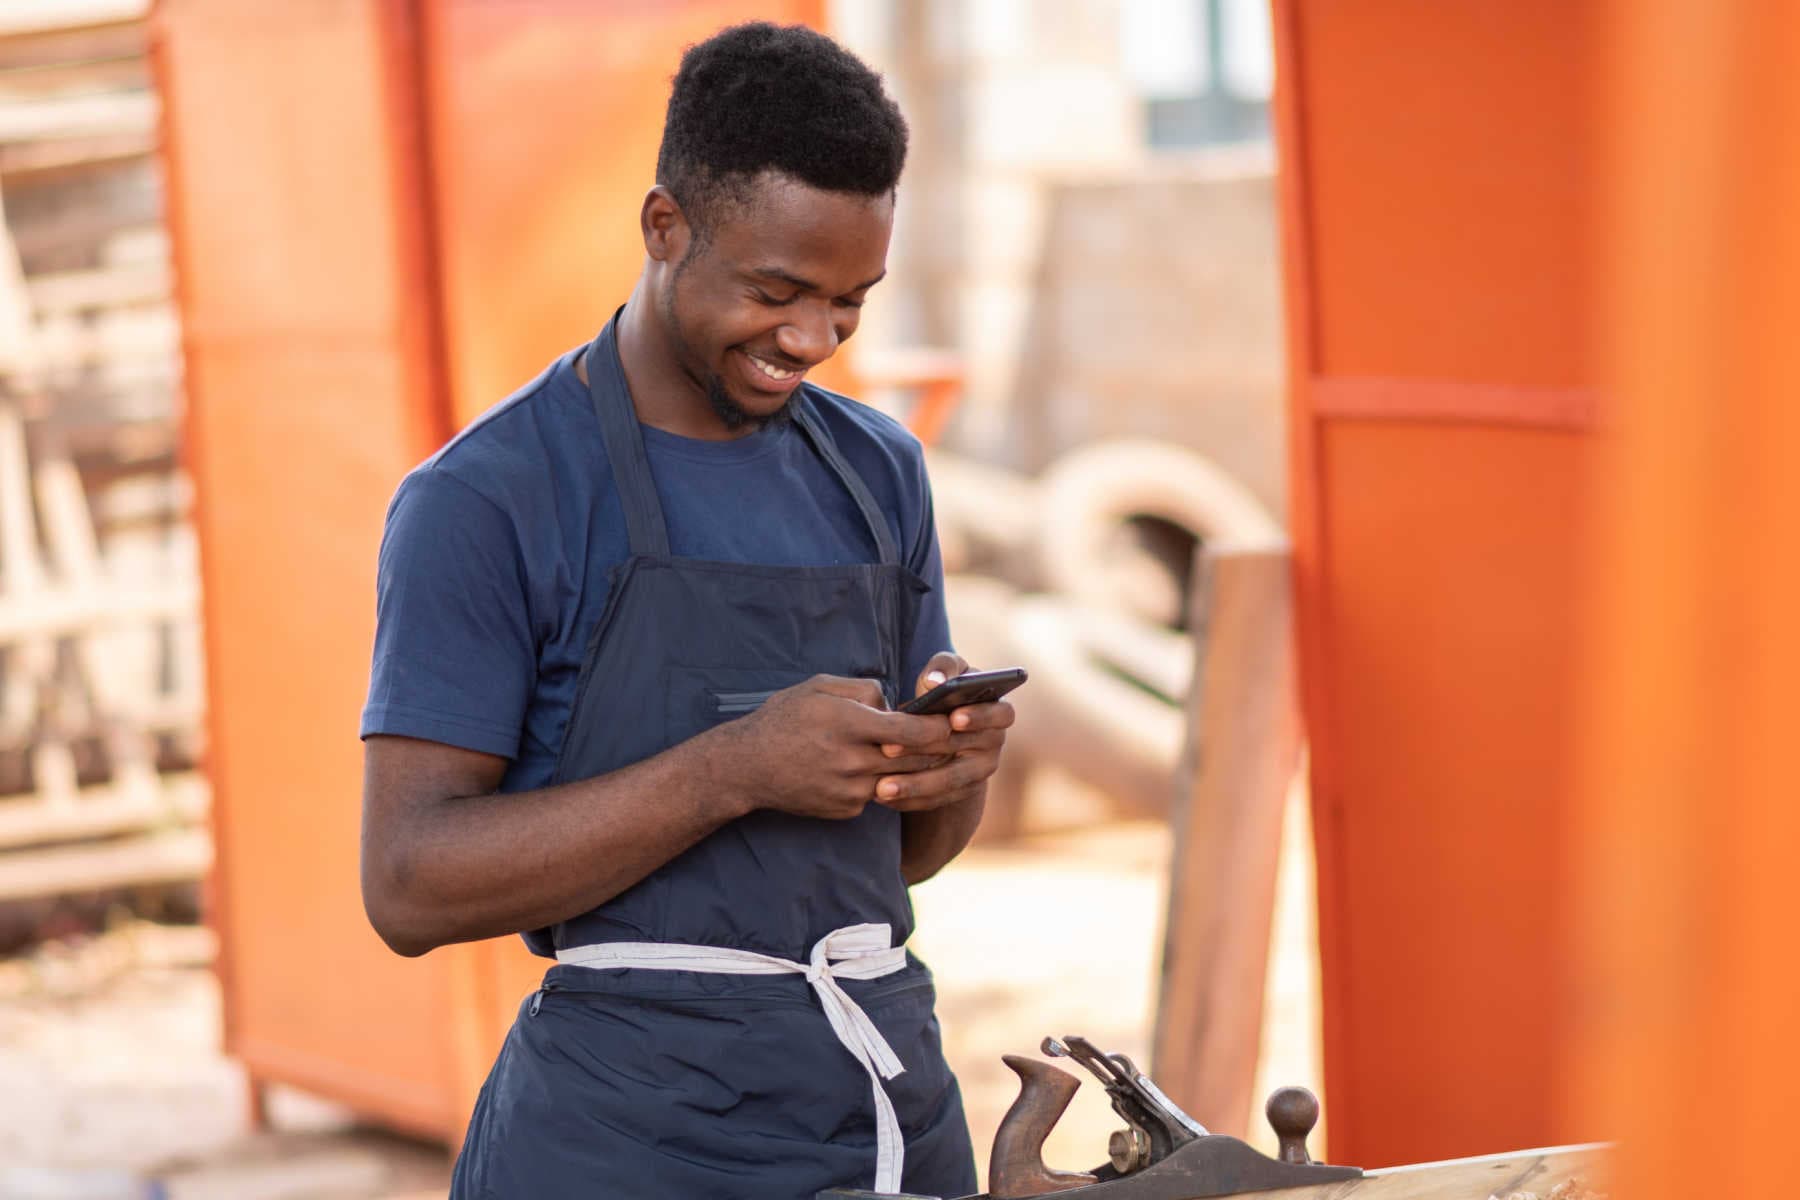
{"x":943,"y":665}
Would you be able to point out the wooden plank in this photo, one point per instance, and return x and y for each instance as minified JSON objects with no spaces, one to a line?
{"x":62,"y":224}
{"x":30,"y":658}
{"x":103,"y":811}
{"x":156,"y":500}
{"x":63,"y":516}
{"x":106,"y":287}
{"x":54,"y":47}
{"x":53,"y":769}
{"x":33,"y":160}
{"x":182,"y":856}
{"x":1242,"y":753}
{"x":1583,"y":1172}
{"x":143,"y":337}
{"x":24,"y":17}
{"x":75,"y":550}
{"x":60,"y":611}
{"x":18,"y":350}
{"x":112,"y":445}
{"x":31,"y":655}
{"x":78,"y":116}
{"x":35,"y":81}
{"x":19,"y":558}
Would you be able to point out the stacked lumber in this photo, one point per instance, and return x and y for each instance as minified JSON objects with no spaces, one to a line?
{"x":100,"y":680}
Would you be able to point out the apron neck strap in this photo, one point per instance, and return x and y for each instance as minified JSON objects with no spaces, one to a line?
{"x":814,"y":429}
{"x":625,"y":445}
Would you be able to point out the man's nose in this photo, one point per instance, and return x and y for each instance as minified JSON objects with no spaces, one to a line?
{"x":809,"y":337}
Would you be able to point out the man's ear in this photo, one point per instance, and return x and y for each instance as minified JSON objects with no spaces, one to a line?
{"x":667,"y":233}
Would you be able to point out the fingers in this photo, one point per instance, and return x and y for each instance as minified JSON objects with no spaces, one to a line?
{"x":937,"y":786}
{"x":866,"y":692}
{"x":975,"y":718}
{"x":954,"y":744}
{"x":964,"y":724}
{"x":902,"y":734}
{"x":912,"y":733}
{"x":943,"y":665}
{"x":878,"y":762}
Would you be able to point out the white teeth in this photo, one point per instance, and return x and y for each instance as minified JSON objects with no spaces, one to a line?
{"x":771,"y":371}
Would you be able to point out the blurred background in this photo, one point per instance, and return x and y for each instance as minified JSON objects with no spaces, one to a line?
{"x":1369,"y":423}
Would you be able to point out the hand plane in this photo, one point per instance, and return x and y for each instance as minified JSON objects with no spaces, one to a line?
{"x":1161,"y":1154}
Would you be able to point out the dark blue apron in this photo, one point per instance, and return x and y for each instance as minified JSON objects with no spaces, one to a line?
{"x":678,"y":1084}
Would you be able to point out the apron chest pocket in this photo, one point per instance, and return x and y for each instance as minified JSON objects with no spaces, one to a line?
{"x":702,"y":697}
{"x":736,"y":704}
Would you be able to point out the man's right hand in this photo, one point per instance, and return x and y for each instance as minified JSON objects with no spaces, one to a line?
{"x":814,"y":749}
{"x":448,"y":857}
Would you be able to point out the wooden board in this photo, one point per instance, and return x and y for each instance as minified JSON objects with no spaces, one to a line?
{"x":56,"y":16}
{"x":1533,"y":1173}
{"x":182,"y":856}
{"x":102,"y":811}
{"x":1243,"y":750}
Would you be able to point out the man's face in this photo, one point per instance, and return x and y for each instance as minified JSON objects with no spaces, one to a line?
{"x":774,"y":292}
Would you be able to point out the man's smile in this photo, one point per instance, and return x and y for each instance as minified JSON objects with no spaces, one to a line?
{"x":765,"y":373}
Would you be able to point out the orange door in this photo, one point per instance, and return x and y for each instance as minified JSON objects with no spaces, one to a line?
{"x":386,"y":214}
{"x":1688,"y":1021}
{"x":312,"y":385}
{"x":1436,"y":181}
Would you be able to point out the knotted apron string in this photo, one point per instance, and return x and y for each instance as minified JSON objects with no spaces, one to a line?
{"x":853,"y":952}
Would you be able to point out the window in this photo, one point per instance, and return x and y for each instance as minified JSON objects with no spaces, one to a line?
{"x":1205,"y":69}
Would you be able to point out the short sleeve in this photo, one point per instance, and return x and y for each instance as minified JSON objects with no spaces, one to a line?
{"x":931,"y":633}
{"x":454,"y":654}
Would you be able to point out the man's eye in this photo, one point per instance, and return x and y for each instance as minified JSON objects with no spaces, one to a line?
{"x":774,"y":302}
{"x":846,"y":302}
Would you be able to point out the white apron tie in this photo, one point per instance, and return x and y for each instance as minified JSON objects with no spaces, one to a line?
{"x":853,"y":952}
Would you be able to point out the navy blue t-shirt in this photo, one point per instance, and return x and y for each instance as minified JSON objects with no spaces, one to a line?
{"x":497,"y":556}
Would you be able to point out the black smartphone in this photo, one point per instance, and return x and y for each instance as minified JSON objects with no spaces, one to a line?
{"x":973,"y":687}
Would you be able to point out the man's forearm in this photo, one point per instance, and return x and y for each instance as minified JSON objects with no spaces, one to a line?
{"x":487,"y":865}
{"x":930,"y":839}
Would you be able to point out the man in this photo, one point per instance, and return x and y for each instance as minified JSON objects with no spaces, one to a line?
{"x":641,"y":631}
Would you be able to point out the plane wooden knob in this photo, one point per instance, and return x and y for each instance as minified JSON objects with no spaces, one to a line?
{"x":1016,"y":1170}
{"x":1292,"y":1112}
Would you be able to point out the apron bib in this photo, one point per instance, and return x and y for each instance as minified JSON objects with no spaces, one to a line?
{"x":743,"y":1021}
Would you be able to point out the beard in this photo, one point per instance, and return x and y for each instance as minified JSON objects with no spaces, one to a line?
{"x":736,"y":417}
{"x":729,"y":411}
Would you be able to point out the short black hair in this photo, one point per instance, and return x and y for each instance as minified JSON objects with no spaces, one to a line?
{"x":760,"y":97}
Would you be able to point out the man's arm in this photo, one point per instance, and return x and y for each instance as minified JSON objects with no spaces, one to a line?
{"x":445,"y":858}
{"x":941,"y":805}
{"x":929,"y":840}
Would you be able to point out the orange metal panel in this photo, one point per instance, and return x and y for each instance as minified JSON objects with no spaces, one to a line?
{"x":309,"y":387}
{"x":1452,"y":589}
{"x":1574,"y":409}
{"x":340,"y":175}
{"x":1689,"y":1029}
{"x":545,"y":121}
{"x":1448,"y":165}
{"x":1435,"y":171}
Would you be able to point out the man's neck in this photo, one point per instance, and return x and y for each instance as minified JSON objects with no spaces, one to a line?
{"x":662,"y":394}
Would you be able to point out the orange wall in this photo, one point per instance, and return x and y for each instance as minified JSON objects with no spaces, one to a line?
{"x":1688,"y":1030}
{"x":386,"y":215}
{"x":310,"y":388}
{"x":1436,"y":179}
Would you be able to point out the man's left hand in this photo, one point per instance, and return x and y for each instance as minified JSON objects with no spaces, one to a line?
{"x":966,"y":758}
